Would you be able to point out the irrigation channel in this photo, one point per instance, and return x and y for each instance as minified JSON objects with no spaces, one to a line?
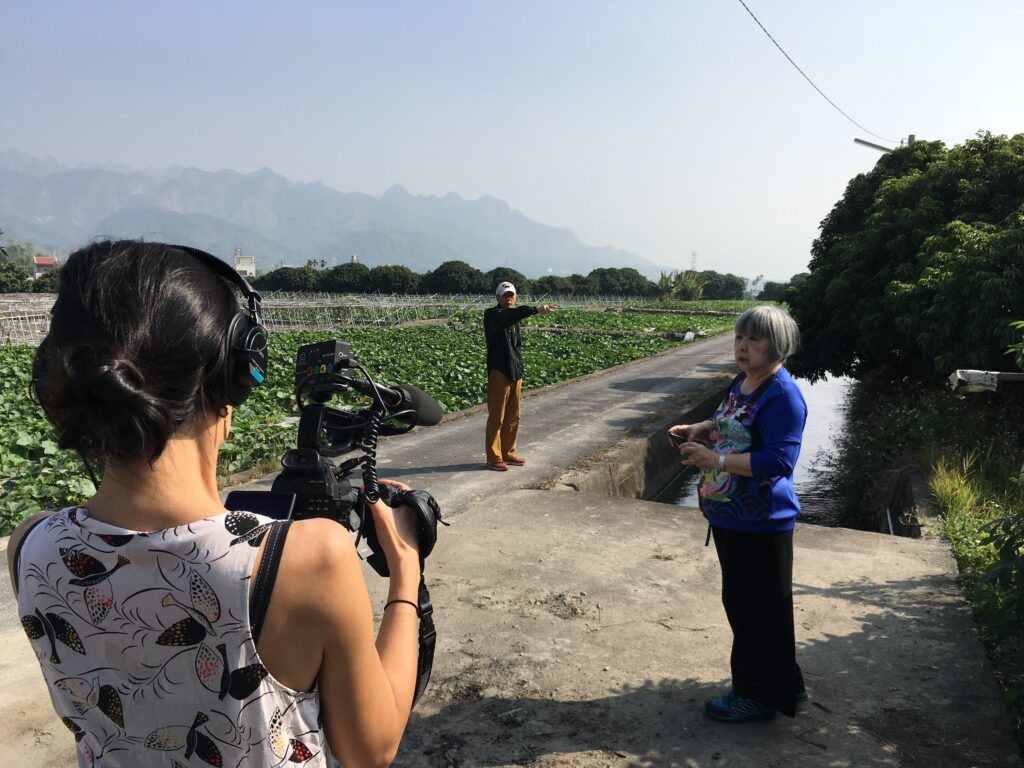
{"x":826,"y":418}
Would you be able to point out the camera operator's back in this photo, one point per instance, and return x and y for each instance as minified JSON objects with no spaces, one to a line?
{"x":130,"y":626}
{"x":137,"y":602}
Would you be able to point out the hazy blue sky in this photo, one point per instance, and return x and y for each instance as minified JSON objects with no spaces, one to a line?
{"x":659,"y":127}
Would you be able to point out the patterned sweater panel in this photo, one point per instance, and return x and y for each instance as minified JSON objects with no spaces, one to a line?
{"x":145,"y":645}
{"x":768,"y":424}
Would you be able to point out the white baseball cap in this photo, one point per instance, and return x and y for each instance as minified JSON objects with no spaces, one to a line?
{"x":504,"y":288}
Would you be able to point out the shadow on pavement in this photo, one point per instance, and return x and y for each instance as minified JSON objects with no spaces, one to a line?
{"x":891,"y":692}
{"x":394,"y":473}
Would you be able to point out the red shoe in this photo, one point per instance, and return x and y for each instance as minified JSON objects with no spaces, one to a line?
{"x":515,"y":460}
{"x":501,"y":466}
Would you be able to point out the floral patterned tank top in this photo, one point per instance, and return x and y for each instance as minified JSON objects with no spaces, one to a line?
{"x":145,"y":644}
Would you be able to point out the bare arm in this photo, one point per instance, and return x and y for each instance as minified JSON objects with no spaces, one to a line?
{"x":366,"y":688}
{"x":319,"y":630}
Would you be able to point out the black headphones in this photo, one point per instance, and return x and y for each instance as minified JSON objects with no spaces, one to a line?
{"x":245,"y":343}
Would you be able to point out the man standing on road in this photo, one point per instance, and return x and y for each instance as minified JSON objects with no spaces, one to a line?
{"x":505,"y":375}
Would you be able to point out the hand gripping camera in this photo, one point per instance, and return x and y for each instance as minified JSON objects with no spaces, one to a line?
{"x":314,"y":481}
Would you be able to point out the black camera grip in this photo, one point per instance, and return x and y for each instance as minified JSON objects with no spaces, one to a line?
{"x":428,"y":515}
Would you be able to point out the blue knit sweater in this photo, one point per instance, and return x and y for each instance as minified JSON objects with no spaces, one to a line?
{"x":768,"y":424}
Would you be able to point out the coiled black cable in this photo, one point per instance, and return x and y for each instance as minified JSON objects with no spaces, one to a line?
{"x":371,"y":488}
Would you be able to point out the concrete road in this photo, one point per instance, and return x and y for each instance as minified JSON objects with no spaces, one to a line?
{"x":561,"y":424}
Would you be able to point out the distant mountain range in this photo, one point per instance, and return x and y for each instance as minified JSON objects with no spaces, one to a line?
{"x":281,"y":222}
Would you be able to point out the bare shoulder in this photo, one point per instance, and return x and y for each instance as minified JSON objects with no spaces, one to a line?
{"x":321,"y":542}
{"x":319,"y":557}
{"x":318,"y":565}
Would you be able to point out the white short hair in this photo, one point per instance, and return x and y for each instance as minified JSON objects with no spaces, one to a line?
{"x":774,"y":324}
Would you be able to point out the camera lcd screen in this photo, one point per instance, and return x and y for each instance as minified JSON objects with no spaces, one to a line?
{"x":276,"y":505}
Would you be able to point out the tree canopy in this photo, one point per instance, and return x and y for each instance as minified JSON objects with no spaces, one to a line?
{"x":46,"y":282}
{"x":454,"y":277}
{"x":719,"y":286}
{"x":624,"y":281}
{"x":296,"y":279}
{"x":351,"y":277}
{"x":503,"y":274}
{"x":391,"y":278}
{"x":919,"y":268}
{"x":14,"y":278}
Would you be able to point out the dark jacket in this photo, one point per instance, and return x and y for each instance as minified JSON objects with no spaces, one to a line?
{"x":501,"y":329}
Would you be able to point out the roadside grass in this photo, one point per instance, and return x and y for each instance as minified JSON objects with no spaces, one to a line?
{"x":973,"y":506}
{"x":971,"y":450}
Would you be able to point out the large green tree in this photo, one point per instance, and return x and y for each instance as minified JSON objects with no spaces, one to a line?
{"x":719,"y":286}
{"x":919,"y":268}
{"x":298,"y":279}
{"x":454,"y":277}
{"x":619,"y":281}
{"x":14,"y":278}
{"x":351,"y":277}
{"x":553,"y":285}
{"x":773,"y":291}
{"x":390,"y":278}
{"x":46,"y":282}
{"x":506,"y":274}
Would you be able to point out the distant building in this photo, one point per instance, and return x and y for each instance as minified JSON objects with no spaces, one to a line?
{"x":41,"y":264}
{"x":355,"y":259}
{"x":245,"y":265}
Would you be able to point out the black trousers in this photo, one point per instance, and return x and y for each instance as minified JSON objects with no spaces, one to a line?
{"x":757,"y":592}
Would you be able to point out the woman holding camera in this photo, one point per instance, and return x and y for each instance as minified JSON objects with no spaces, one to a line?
{"x":747,"y":452}
{"x":139,"y":603}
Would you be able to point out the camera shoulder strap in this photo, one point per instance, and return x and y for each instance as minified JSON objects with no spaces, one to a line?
{"x":427,"y":640}
{"x":266,"y":576}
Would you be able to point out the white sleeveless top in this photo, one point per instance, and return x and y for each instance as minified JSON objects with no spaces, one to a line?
{"x":145,"y":645}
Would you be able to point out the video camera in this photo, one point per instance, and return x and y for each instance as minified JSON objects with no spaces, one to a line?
{"x":314,"y":481}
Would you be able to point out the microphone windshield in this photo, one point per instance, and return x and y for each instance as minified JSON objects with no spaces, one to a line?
{"x":428,"y":410}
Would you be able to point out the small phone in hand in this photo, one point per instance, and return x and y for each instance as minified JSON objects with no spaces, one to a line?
{"x":676,"y":439}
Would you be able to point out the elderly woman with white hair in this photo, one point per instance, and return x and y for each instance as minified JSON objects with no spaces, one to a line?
{"x":747,"y":452}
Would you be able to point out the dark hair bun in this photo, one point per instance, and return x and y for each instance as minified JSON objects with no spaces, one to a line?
{"x":137,"y":334}
{"x":108,"y":411}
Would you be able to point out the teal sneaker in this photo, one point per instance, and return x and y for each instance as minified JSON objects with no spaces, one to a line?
{"x":801,"y":698}
{"x":735,"y":708}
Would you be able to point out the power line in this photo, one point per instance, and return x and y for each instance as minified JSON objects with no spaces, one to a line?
{"x":826,"y":98}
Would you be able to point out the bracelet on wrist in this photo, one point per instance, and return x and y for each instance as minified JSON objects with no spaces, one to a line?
{"x":389,"y":603}
{"x":721,"y":462}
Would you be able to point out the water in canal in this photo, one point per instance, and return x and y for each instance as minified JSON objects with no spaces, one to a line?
{"x":826,"y":418}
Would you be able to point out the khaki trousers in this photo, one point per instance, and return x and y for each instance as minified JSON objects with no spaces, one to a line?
{"x":502,"y":416}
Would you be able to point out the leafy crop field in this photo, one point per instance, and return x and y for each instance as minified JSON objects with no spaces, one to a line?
{"x":649,"y":322}
{"x":448,"y":363}
{"x":733,"y":306}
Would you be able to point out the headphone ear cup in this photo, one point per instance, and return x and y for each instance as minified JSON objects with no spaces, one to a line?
{"x":245,"y":357}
